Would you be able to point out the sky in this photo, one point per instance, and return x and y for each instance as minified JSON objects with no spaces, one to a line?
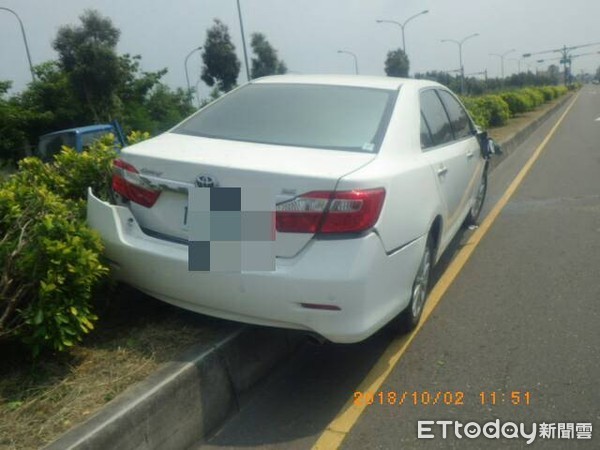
{"x":308,"y":33}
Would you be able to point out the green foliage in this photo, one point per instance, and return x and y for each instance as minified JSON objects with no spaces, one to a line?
{"x":89,"y":84}
{"x":497,"y":111}
{"x":560,"y":90}
{"x":396,"y":64}
{"x":13,"y":125}
{"x":70,"y":173}
{"x":137,"y":136}
{"x":87,"y":54}
{"x":548,"y":93}
{"x":477,"y":111}
{"x":214,"y":94}
{"x":266,"y":61}
{"x":535,"y":96}
{"x":517,"y":102}
{"x":221,"y":65}
{"x":50,"y":259}
{"x":147,"y":103}
{"x":494,"y":110}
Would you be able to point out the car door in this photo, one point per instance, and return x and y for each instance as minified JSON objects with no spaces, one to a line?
{"x":465,"y":138}
{"x":446,"y":156}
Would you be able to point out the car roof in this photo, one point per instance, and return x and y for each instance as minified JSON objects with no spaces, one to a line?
{"x":368,"y":81}
{"x":86,"y":129}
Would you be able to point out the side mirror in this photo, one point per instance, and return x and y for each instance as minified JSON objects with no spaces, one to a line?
{"x":487,"y":145}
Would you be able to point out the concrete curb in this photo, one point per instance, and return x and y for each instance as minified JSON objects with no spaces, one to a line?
{"x":185,"y":400}
{"x":510,"y":144}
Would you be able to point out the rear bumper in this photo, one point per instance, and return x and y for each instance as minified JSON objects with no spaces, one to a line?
{"x":369,"y":286}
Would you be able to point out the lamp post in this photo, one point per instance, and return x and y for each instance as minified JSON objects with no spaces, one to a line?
{"x":185,"y":64}
{"x":502,"y":56}
{"x":355,"y":59}
{"x":243,"y":41}
{"x":403,"y":24}
{"x":24,"y":40}
{"x":460,"y":59}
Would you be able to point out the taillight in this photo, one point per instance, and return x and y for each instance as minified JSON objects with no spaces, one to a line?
{"x":127,"y":182}
{"x":331,"y":212}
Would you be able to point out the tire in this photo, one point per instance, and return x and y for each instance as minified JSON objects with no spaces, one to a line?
{"x":410,"y":317}
{"x":475,"y":210}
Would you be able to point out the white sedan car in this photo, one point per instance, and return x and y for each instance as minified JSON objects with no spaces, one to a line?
{"x":368,"y":180}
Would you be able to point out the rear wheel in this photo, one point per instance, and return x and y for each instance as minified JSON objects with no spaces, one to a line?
{"x":409,"y":318}
{"x":475,"y":210}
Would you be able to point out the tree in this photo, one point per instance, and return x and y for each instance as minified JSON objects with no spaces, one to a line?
{"x":15,"y":119}
{"x":87,"y":53}
{"x":554,"y":73}
{"x":221,"y":64}
{"x":396,"y":64}
{"x":266,"y":61}
{"x":53,"y":99}
{"x":147,"y":103}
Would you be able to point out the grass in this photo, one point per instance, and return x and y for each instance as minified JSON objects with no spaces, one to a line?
{"x":39,"y":402}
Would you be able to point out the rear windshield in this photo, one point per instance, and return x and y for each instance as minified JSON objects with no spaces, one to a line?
{"x":304,"y":115}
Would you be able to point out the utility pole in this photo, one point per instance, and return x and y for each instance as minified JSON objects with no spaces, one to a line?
{"x":565,"y":57}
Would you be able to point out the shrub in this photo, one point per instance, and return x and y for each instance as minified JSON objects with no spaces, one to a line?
{"x":497,"y":108}
{"x":537,"y":98}
{"x":50,"y":263}
{"x":477,"y":111}
{"x":517,"y":103}
{"x":50,"y":260}
{"x":137,"y":136}
{"x":560,"y":90}
{"x":70,"y":173}
{"x":547,"y":92}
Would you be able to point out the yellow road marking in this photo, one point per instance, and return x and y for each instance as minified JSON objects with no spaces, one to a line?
{"x":338,"y":429}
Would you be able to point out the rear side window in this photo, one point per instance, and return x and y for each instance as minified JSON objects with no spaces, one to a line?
{"x":52,"y":144}
{"x":461,"y":125}
{"x":435,"y":117}
{"x":426,"y":141}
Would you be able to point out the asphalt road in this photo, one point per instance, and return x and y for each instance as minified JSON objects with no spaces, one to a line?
{"x":523,"y":316}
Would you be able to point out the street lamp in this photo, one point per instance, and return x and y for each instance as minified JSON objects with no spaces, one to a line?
{"x":24,"y":40}
{"x":501,"y":56}
{"x":243,"y":41}
{"x":403,"y":24}
{"x":355,"y":59}
{"x":185,"y":64}
{"x":462,"y":69}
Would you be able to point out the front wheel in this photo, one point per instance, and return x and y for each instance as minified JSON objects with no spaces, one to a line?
{"x":409,"y":318}
{"x":475,"y":210}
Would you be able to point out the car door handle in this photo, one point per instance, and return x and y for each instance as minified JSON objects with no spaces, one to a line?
{"x":470,"y":153}
{"x":442,"y":170}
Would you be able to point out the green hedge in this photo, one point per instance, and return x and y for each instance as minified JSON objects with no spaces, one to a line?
{"x":487,"y":110}
{"x":50,"y":260}
{"x":494,"y":110}
{"x":517,"y":102}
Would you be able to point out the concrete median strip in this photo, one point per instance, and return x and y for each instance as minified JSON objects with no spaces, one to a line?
{"x":512,"y":142}
{"x":191,"y":397}
{"x":186,"y":399}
